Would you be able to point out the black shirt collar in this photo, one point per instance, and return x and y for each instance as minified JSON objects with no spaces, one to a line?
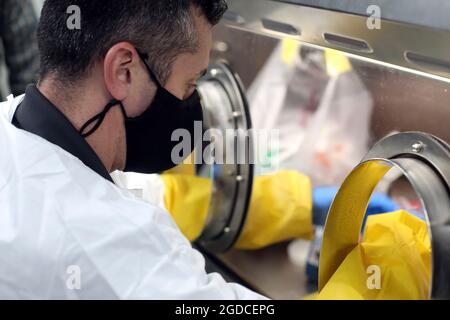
{"x":39,"y":116}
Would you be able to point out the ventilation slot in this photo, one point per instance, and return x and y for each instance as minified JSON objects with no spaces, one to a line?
{"x":429,"y":64}
{"x":280,"y":27}
{"x":234,"y":17}
{"x":347,"y":43}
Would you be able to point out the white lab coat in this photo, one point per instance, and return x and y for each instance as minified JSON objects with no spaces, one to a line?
{"x":67,"y":233}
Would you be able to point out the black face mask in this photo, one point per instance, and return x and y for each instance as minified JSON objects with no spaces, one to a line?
{"x":149,"y":136}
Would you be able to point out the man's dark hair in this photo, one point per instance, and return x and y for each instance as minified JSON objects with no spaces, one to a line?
{"x":161,"y":28}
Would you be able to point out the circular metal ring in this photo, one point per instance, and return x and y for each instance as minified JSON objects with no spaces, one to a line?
{"x":418,"y":145}
{"x":225,"y":107}
{"x":425,"y":172}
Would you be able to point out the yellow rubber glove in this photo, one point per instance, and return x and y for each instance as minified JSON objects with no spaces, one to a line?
{"x":186,"y":197}
{"x":399,"y":244}
{"x":280,"y":207}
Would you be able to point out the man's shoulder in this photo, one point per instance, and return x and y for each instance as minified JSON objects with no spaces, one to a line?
{"x":57,"y":213}
{"x":51,"y":183}
{"x":8,"y":107}
{"x":39,"y":169}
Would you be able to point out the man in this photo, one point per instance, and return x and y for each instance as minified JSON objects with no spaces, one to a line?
{"x":18,"y":46}
{"x":66,"y":231}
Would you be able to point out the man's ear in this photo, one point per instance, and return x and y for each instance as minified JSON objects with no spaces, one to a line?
{"x":119,"y":62}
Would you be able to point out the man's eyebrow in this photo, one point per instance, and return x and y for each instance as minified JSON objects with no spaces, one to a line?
{"x":199,"y":75}
{"x":202,"y":73}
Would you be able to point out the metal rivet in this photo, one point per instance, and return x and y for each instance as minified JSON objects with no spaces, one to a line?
{"x":239,"y":178}
{"x":236,"y":114}
{"x":417,"y":147}
{"x":227,"y":230}
{"x":214,"y":72}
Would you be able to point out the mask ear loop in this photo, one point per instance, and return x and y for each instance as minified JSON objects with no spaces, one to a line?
{"x":144,"y":57}
{"x":98,"y":119}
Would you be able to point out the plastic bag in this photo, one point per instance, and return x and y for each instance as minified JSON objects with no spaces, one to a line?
{"x":338,"y":136}
{"x":320,"y":107}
